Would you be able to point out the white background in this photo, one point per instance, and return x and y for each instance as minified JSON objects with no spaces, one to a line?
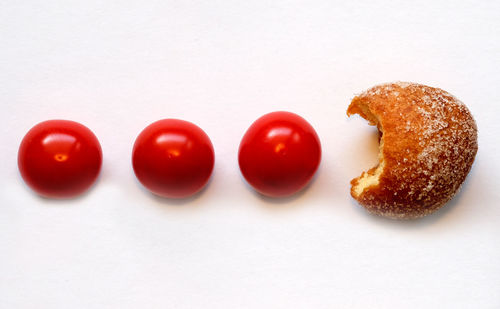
{"x":117,"y":66}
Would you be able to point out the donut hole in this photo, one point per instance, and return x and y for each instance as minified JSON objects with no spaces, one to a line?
{"x":428,"y":146}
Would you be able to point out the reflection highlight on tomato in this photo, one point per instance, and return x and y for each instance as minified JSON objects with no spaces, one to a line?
{"x":173,"y":158}
{"x":279,"y":154}
{"x":59,"y":158}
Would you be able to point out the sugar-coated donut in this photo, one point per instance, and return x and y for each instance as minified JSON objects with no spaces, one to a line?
{"x":427,"y":146}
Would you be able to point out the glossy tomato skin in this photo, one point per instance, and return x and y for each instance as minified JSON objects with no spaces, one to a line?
{"x":59,"y":158}
{"x":279,"y":154}
{"x":173,"y":158}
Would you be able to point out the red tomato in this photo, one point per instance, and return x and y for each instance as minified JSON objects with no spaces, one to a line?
{"x":59,"y":158}
{"x":279,"y":154}
{"x":173,"y":158}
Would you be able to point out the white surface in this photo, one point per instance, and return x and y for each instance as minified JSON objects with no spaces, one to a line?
{"x":117,"y":66}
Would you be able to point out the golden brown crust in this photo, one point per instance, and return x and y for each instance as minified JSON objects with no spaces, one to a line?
{"x":429,"y":144}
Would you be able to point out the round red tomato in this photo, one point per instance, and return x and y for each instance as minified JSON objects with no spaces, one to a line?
{"x":173,"y":158}
{"x":279,"y":154}
{"x":59,"y":158}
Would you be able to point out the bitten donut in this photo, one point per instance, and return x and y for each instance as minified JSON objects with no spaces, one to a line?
{"x":428,"y":141}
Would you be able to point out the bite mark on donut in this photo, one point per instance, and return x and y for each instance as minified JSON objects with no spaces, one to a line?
{"x":372,"y":176}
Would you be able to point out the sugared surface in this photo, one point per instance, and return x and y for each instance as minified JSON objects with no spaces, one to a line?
{"x":428,"y":145}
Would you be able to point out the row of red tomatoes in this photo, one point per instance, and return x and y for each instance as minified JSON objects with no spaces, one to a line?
{"x":278,"y":156}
